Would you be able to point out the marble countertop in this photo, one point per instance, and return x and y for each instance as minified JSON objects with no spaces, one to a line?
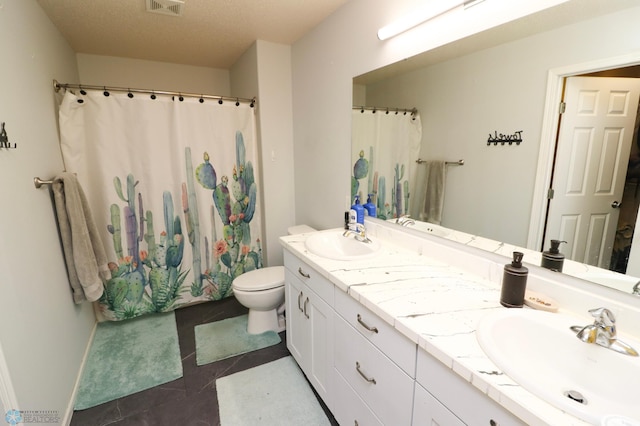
{"x":437,"y":306}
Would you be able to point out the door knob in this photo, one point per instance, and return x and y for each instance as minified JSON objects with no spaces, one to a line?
{"x":616,"y":204}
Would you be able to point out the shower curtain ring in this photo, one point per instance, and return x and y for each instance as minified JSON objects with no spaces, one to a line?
{"x":181,"y":98}
{"x":82,"y":91}
{"x":129,"y":94}
{"x":220,"y":100}
{"x":153,"y":95}
{"x":106,"y":92}
{"x":237,"y":102}
{"x":253,"y":102}
{"x":201,"y":100}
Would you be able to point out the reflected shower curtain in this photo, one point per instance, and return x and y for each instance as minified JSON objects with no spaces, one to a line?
{"x":384,"y":148}
{"x":172,"y":184}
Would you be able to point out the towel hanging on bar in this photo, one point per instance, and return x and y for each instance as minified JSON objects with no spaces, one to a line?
{"x":434,"y":192}
{"x":85,"y":258}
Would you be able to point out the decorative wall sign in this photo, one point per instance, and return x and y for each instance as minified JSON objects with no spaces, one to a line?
{"x":495,"y":138}
{"x":4,"y":139}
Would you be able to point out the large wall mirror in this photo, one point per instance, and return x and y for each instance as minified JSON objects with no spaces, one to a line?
{"x":490,"y":100}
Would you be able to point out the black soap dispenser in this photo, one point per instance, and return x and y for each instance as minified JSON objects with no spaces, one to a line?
{"x":553,"y":259}
{"x":514,"y":282}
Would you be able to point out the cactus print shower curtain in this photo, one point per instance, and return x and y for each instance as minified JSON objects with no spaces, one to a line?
{"x":384,"y":148}
{"x":173,"y":186}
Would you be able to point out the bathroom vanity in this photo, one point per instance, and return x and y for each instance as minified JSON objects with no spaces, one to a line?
{"x":389,"y":338}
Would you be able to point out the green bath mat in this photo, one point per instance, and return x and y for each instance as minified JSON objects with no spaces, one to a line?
{"x":224,"y":339}
{"x":130,"y":356}
{"x":275,"y":393}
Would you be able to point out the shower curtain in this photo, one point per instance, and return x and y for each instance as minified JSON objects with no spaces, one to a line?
{"x":172,"y":185}
{"x":384,"y":148}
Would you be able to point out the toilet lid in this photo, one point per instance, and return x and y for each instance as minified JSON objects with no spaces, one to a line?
{"x":260,"y":279}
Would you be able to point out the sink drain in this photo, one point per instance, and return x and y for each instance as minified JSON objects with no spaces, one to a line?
{"x":576,"y":396}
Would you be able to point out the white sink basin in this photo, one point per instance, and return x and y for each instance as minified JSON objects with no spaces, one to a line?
{"x":539,"y":352}
{"x":333,"y":245}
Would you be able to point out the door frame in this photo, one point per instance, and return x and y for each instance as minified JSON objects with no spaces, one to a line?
{"x":8,"y":399}
{"x":549,"y":135}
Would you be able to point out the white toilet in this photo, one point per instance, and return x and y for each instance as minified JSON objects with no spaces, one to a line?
{"x":262,"y":291}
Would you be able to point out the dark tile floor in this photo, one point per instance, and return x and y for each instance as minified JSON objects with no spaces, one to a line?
{"x":192,"y":399}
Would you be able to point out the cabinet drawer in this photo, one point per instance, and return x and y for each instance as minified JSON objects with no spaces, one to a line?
{"x":396,"y":346}
{"x":384,"y":387}
{"x":312,"y":278}
{"x":350,"y":409}
{"x":428,"y":411}
{"x":459,"y":396}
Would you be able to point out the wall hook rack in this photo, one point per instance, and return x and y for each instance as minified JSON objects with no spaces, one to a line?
{"x":500,"y":138}
{"x":4,"y":139}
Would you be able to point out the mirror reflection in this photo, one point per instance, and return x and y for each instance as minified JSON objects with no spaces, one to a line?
{"x":489,"y":107}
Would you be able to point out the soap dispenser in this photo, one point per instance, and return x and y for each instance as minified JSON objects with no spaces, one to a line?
{"x":359,"y":210}
{"x":514,"y":282}
{"x":553,"y":259}
{"x":370,"y":208}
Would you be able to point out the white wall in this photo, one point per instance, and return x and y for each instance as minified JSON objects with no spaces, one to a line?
{"x":264,"y":70}
{"x":142,"y":74}
{"x":43,"y":333}
{"x":345,"y":45}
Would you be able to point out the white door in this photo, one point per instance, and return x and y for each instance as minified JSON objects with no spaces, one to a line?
{"x":594,"y":140}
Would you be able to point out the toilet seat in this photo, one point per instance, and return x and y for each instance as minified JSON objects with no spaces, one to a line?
{"x":260,"y":279}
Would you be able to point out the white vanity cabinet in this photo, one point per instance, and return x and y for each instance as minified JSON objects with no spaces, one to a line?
{"x":366,"y":371}
{"x":309,"y":300}
{"x":375,"y":367}
{"x":427,"y":410}
{"x":443,"y":397}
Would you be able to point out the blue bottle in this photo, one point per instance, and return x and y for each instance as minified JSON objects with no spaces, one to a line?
{"x":359,"y":210}
{"x":370,"y":207}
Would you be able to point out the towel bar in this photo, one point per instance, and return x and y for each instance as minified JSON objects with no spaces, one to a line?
{"x":448,"y":163}
{"x":37,"y":182}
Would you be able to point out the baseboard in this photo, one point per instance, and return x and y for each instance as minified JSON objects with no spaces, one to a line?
{"x":66,"y":420}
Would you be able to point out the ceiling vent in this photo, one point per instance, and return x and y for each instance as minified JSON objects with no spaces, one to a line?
{"x":165,"y":7}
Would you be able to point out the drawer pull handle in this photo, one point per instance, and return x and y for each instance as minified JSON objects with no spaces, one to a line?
{"x":303,"y":273}
{"x":305,"y":308}
{"x":362,"y":323}
{"x":299,"y":298}
{"x":370,"y":380}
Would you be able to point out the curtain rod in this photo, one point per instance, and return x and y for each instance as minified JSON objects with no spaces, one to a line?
{"x":386,"y":110}
{"x":57,"y":86}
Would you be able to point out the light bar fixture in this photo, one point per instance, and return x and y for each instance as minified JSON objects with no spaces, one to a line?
{"x":433,"y":9}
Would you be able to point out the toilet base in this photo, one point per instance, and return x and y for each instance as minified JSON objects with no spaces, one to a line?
{"x":261,"y":321}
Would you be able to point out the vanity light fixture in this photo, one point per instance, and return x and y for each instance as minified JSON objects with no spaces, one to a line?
{"x":433,"y":9}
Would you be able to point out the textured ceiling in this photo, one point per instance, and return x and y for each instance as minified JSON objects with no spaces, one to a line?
{"x":211,"y":33}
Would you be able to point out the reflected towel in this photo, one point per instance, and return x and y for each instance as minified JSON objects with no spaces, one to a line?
{"x":434,"y":192}
{"x":84,"y":253}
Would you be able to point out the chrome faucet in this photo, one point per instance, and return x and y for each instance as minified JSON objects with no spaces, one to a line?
{"x":358,"y":231}
{"x":603,"y":332}
{"x":405,"y":220}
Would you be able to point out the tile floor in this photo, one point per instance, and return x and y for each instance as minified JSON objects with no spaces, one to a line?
{"x":192,"y":399}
